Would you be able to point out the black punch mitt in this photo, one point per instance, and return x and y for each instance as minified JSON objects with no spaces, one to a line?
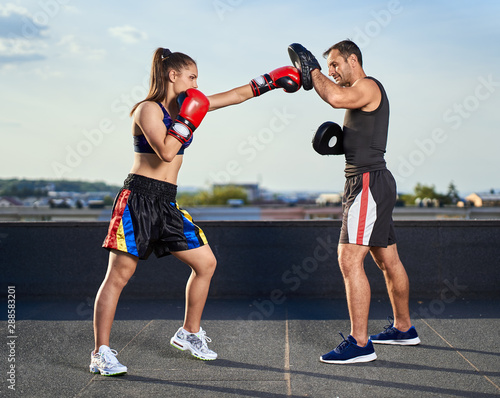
{"x":305,"y":62}
{"x":328,"y":139}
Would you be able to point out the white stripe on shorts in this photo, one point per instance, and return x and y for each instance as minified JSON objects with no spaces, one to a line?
{"x":362,"y":215}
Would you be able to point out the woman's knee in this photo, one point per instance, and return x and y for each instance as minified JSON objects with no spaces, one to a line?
{"x":210,"y":266}
{"x":120,"y":269}
{"x":204,"y":267}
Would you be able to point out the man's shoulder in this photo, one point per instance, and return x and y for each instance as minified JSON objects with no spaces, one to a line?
{"x":369,"y":84}
{"x":376,"y":92}
{"x":373,"y":80}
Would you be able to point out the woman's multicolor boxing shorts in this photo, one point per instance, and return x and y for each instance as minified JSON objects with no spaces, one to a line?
{"x":146,"y":218}
{"x":367,"y":206}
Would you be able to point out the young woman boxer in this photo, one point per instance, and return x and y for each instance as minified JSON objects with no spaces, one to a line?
{"x":146,"y":217}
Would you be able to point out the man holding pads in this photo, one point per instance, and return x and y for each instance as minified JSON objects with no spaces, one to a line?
{"x":369,"y":197}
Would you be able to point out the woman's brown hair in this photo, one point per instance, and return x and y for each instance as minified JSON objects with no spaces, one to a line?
{"x":163,"y":62}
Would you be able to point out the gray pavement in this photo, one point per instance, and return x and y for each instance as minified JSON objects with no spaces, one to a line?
{"x":265,"y":349}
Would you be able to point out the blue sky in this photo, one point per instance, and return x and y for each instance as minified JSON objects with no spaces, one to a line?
{"x":70,"y":71}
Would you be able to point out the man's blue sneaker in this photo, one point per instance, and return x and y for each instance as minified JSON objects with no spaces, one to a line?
{"x":350,"y":352}
{"x":391,"y":335}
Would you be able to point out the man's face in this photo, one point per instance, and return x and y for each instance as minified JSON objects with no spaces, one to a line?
{"x":338,"y":68}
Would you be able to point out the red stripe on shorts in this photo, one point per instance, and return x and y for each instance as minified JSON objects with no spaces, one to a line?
{"x":116,"y":218}
{"x":363,"y":208}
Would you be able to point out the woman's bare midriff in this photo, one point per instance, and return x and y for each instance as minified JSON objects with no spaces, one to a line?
{"x":150,"y":165}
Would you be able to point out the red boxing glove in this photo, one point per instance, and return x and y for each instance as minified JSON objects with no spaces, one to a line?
{"x":193,"y":106}
{"x":286,"y":77}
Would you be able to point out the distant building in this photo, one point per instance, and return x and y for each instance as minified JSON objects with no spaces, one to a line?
{"x":326,"y":199}
{"x":485,"y":199}
{"x":7,"y":201}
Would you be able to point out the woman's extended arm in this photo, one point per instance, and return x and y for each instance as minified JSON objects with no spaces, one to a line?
{"x":286,"y":77}
{"x":232,"y":97}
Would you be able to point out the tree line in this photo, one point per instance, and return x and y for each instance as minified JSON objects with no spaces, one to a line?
{"x":421,"y":192}
{"x":23,"y":188}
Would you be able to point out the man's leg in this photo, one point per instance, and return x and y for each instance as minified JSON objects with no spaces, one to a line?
{"x":351,"y":261}
{"x":398,"y":285}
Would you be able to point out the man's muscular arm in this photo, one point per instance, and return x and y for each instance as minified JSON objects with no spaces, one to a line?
{"x":362,"y":94}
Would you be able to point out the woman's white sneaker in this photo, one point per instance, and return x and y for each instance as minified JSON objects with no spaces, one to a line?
{"x":105,"y":362}
{"x":194,"y":342}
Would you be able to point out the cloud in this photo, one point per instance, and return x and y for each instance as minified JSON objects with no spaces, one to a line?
{"x":17,"y":23}
{"x":69,"y":43}
{"x":19,"y":51}
{"x":21,"y":38}
{"x":71,"y":46}
{"x":16,"y":59}
{"x":127,"y":34}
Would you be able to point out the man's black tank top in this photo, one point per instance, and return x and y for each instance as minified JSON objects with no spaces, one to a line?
{"x":365,"y":137}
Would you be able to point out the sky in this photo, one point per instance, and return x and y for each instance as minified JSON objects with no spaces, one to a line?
{"x":70,"y":71}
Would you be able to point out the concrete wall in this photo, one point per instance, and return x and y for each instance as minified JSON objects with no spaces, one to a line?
{"x":444,"y":259}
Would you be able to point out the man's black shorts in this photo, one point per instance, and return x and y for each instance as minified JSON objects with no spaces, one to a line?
{"x":367,"y":205}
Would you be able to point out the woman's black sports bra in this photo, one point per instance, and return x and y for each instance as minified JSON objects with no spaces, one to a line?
{"x":141,"y":144}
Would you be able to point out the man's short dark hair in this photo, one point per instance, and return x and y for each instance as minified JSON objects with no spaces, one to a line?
{"x":346,"y":48}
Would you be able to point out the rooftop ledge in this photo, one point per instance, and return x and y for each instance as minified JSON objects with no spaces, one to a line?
{"x":444,"y":259}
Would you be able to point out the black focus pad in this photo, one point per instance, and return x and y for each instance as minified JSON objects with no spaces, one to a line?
{"x":329,"y":139}
{"x":305,"y":62}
